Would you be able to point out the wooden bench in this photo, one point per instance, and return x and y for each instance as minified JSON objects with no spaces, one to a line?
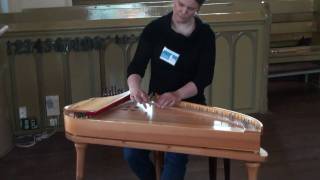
{"x":294,"y":38}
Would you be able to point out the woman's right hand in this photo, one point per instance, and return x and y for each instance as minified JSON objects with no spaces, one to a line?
{"x":138,"y":95}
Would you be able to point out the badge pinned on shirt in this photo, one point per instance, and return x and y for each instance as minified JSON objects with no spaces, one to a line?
{"x":169,"y":56}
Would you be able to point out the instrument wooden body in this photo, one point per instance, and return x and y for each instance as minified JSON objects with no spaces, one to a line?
{"x":187,"y":128}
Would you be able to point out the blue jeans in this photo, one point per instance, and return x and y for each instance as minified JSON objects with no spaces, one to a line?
{"x":139,"y":161}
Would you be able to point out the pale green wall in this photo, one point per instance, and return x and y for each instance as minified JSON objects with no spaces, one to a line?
{"x":18,"y":5}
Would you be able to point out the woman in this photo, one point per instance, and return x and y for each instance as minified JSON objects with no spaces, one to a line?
{"x":181,"y":49}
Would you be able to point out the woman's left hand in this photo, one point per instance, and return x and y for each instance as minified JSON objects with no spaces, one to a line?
{"x":167,"y":99}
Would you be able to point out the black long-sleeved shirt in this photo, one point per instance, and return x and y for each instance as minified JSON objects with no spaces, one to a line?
{"x":195,"y":61}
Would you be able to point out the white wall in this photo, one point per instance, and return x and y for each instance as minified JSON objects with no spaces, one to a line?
{"x":18,"y":5}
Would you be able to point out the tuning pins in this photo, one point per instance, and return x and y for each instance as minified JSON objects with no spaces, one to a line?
{"x":111,"y":91}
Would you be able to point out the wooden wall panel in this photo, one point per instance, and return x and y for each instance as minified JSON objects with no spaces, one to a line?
{"x":5,"y":126}
{"x":245,"y":77}
{"x":84,"y":75}
{"x":115,"y":66}
{"x":26,"y":83}
{"x":221,"y":87}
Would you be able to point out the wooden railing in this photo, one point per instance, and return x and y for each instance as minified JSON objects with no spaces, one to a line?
{"x":294,"y":42}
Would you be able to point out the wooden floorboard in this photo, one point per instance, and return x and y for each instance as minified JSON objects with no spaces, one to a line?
{"x":291,"y":137}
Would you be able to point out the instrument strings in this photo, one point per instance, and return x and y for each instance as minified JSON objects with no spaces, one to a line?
{"x":112,"y":91}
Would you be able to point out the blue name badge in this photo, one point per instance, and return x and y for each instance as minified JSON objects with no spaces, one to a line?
{"x":169,"y":56}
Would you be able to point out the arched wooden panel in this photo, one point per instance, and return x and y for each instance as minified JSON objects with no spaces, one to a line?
{"x":25,"y":81}
{"x":115,"y":66}
{"x":221,"y":87}
{"x":51,"y":81}
{"x":51,"y":65}
{"x":84,"y":75}
{"x":244,"y":76}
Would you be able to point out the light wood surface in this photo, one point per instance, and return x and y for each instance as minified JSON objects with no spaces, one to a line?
{"x":94,"y":106}
{"x":187,"y":128}
{"x":190,"y":124}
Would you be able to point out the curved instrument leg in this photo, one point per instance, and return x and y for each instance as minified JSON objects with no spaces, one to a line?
{"x":252,"y":170}
{"x":81,"y":154}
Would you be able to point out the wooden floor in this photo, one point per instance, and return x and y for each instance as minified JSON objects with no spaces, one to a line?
{"x":291,"y":137}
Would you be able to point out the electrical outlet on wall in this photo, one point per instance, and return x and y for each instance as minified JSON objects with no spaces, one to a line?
{"x":52,"y":105}
{"x":53,"y":121}
{"x":22,"y":112}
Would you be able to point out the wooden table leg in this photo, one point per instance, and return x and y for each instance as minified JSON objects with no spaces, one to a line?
{"x":81,"y":155}
{"x":252,"y":170}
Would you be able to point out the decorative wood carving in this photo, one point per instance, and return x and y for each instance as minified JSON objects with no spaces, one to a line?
{"x":65,"y":45}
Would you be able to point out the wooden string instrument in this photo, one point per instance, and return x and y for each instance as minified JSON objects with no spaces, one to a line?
{"x":187,"y":124}
{"x":186,"y":128}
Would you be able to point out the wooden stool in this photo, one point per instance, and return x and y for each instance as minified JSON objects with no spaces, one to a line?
{"x":159,"y":160}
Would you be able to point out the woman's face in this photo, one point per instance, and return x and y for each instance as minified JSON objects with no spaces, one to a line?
{"x":184,"y":10}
